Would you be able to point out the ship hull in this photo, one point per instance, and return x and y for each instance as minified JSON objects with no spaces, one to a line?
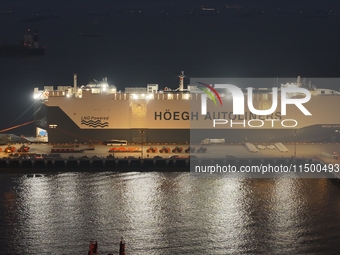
{"x":20,"y":51}
{"x":67,"y":131}
{"x":97,"y":113}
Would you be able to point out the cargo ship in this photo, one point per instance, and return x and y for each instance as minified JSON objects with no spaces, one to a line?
{"x":97,"y":112}
{"x":27,"y":47}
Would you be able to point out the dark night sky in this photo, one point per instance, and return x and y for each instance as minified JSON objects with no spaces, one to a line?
{"x":139,"y":43}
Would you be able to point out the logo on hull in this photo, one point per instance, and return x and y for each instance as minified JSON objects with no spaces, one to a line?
{"x":94,"y":122}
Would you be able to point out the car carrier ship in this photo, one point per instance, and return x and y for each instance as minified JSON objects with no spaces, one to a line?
{"x":97,"y":112}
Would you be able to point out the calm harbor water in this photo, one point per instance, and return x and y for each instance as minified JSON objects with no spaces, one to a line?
{"x":167,"y":213}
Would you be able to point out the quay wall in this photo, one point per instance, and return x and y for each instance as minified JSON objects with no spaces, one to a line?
{"x":41,"y":165}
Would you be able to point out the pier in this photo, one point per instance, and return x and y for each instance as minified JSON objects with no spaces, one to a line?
{"x":40,"y":165}
{"x":40,"y":159}
{"x":93,"y":164}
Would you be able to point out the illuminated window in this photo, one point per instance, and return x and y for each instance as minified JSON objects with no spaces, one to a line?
{"x":52,"y":126}
{"x":185,"y":96}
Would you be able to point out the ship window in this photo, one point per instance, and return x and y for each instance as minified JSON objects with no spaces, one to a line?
{"x":185,"y":96}
{"x":170,"y":96}
{"x":52,"y":126}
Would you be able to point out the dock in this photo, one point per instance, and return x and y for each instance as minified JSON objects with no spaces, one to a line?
{"x":41,"y":159}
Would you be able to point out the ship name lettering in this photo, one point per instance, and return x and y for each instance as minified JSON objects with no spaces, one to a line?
{"x":176,"y":115}
{"x":194,"y":116}
{"x":185,"y":115}
{"x":207,"y":116}
{"x":224,"y":115}
{"x":231,"y":116}
{"x":167,"y":115}
{"x":246,"y":116}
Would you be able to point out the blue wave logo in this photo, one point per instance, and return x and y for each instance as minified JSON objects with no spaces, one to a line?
{"x":94,"y":123}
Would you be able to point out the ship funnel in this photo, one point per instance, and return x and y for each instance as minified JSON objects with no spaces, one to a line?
{"x":181,"y":81}
{"x":75,"y":82}
{"x":35,"y":40}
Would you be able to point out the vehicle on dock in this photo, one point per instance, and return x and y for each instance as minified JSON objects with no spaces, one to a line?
{"x":165,"y":150}
{"x":24,"y":148}
{"x":202,"y":149}
{"x":124,"y":149}
{"x":177,"y":149}
{"x":152,"y":150}
{"x":9,"y":149}
{"x":190,"y":149}
{"x":213,"y":141}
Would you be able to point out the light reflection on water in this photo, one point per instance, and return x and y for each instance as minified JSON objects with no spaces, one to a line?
{"x":168,"y":213}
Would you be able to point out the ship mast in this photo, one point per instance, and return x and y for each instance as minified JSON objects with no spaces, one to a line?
{"x":181,"y":81}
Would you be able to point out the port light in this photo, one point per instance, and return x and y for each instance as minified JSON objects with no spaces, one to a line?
{"x":104,"y":86}
{"x":141,"y":96}
{"x":37,"y":95}
{"x":150,"y":96}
